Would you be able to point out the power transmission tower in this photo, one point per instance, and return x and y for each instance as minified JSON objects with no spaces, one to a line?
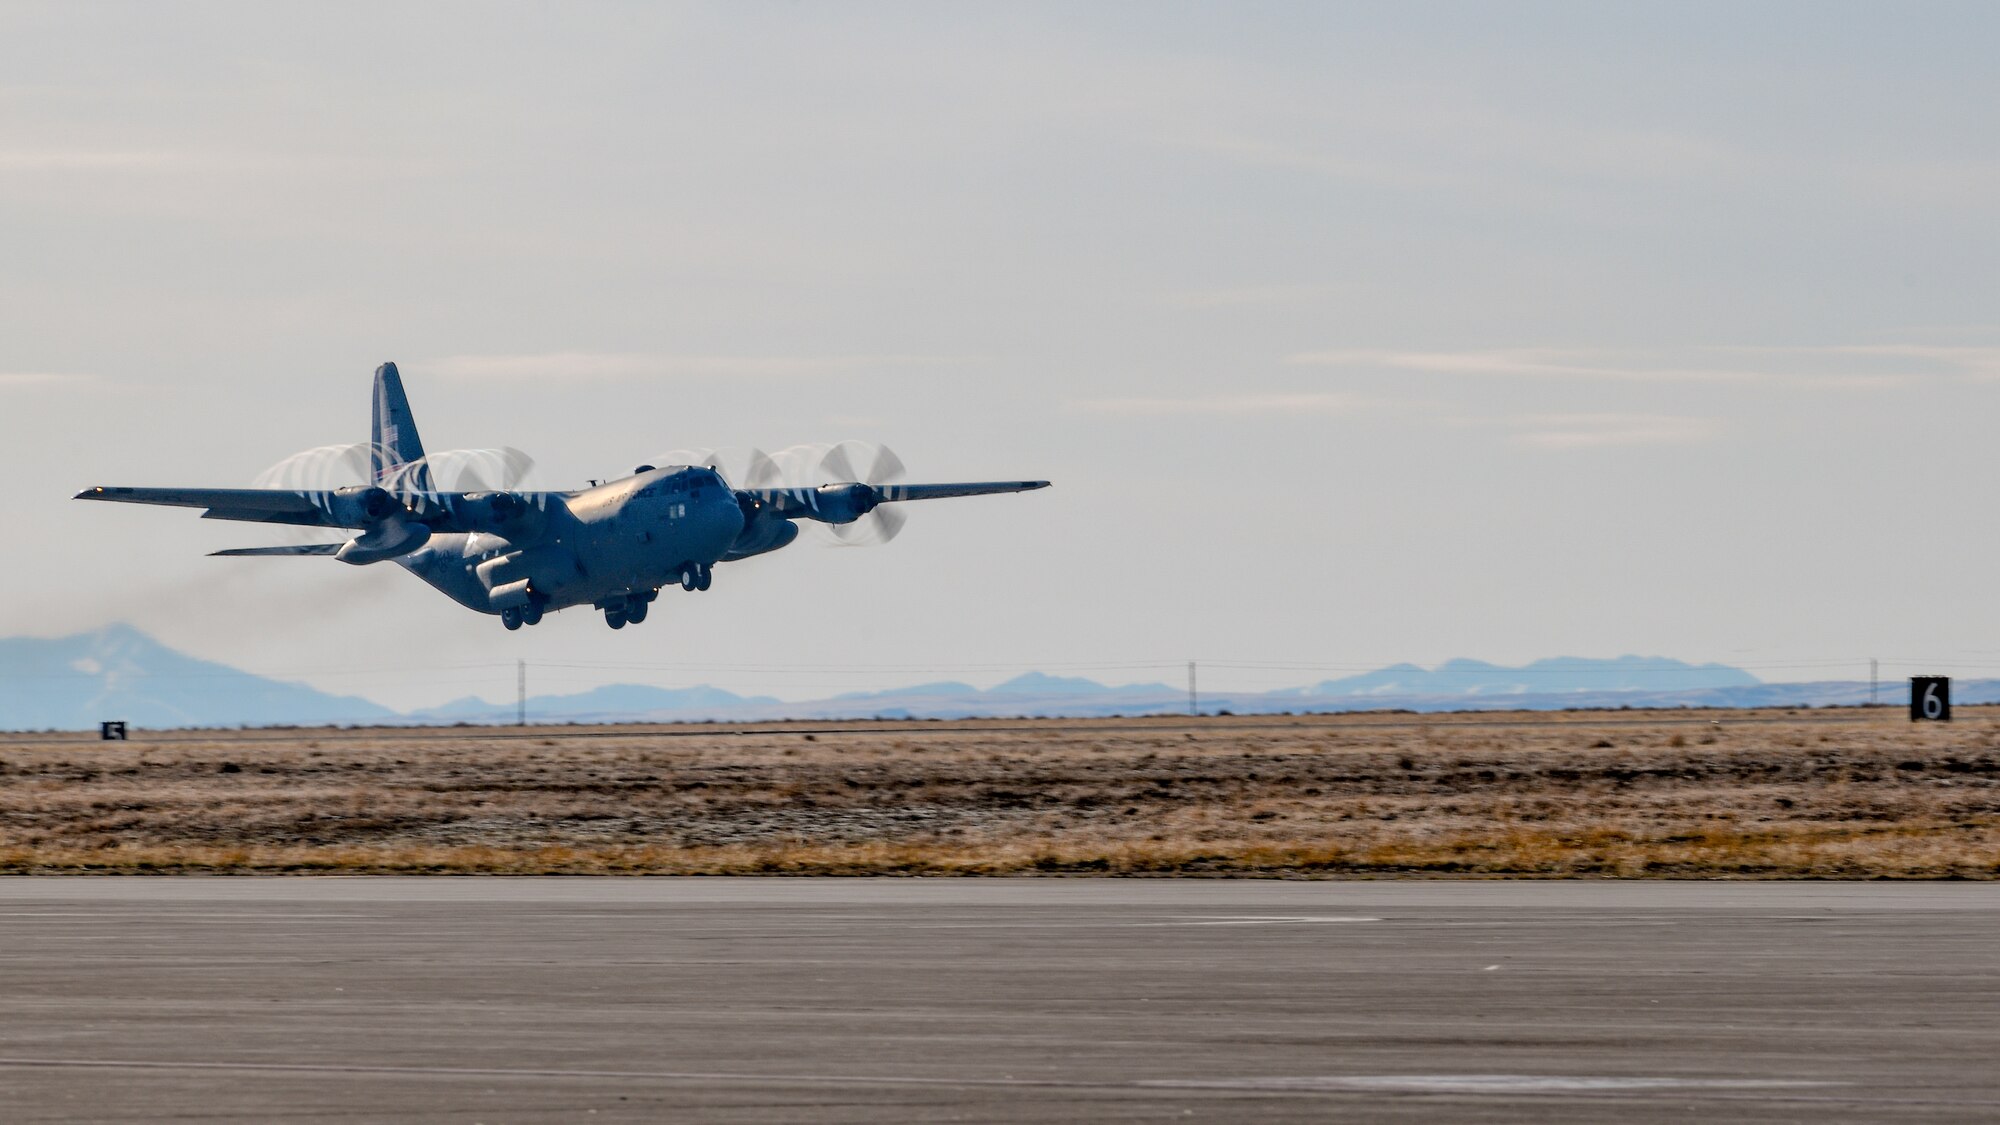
{"x":1194,"y":706}
{"x":521,"y":693}
{"x":1873,"y":680}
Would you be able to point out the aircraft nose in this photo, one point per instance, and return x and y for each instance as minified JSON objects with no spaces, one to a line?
{"x":724,"y":516}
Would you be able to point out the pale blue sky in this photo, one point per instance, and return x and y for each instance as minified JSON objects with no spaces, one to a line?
{"x":1350,"y":333}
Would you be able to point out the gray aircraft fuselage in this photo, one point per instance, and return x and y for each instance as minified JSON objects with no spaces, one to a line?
{"x":597,"y":546}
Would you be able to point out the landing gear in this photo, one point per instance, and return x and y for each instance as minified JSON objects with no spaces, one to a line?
{"x":514,"y":617}
{"x":629,"y":609}
{"x":696,"y":576}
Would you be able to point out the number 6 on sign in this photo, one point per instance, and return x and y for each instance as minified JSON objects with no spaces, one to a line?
{"x":1930,"y":699}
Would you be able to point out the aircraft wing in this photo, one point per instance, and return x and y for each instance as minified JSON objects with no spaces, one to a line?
{"x":253,"y":505}
{"x":289,"y":549}
{"x":439,"y":511}
{"x":789,"y":500}
{"x":947,"y":491}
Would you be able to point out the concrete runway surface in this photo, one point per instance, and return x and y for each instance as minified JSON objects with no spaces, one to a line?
{"x":509,"y":1000}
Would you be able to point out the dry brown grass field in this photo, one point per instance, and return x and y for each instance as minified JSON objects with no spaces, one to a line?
{"x":1842,"y":793}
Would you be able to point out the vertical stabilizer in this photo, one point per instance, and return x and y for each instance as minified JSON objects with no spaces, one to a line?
{"x":392,"y":437}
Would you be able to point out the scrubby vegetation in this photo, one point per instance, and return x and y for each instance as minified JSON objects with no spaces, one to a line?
{"x":1610,"y":794}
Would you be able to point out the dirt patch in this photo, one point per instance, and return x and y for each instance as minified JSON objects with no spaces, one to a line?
{"x":1848,"y":794}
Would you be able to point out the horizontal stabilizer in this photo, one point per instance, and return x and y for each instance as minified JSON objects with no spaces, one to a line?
{"x":328,"y":549}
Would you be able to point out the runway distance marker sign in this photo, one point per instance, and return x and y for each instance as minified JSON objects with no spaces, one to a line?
{"x":1930,"y":699}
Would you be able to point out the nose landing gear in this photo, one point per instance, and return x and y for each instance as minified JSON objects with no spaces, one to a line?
{"x":696,"y":576}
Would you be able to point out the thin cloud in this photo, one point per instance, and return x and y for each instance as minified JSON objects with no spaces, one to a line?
{"x":1600,"y":431}
{"x":1309,"y":403}
{"x":1805,"y":367}
{"x":25,"y":380}
{"x":1254,"y":295}
{"x":1971,"y":361}
{"x":1524,"y":363}
{"x":1413,"y":143}
{"x":62,"y":160}
{"x":637,"y":365}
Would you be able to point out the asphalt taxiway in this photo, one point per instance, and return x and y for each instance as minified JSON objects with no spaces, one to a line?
{"x":507,"y":1000}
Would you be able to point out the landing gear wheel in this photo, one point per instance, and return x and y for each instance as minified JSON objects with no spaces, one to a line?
{"x":511,"y":618}
{"x":635,"y":612}
{"x":690,"y":576}
{"x":614,"y":619}
{"x":531,"y":614}
{"x":702,"y":579}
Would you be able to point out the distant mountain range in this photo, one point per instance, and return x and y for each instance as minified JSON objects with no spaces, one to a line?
{"x":611,"y":699}
{"x":118,"y":672}
{"x":1561,"y":674}
{"x":71,"y":683}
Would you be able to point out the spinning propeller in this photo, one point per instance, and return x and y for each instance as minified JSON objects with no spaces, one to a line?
{"x":450,"y":470}
{"x":881,"y":523}
{"x":330,"y":468}
{"x":809,"y":466}
{"x":742,"y":468}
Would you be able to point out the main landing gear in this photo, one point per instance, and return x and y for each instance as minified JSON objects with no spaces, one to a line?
{"x":630,"y":608}
{"x":630,"y":611}
{"x":530,"y":614}
{"x":696,"y":576}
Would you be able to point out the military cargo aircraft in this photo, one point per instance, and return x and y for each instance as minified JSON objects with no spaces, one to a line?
{"x":517,"y":554}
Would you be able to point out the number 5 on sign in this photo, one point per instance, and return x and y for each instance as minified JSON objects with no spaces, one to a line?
{"x":1930,"y":699}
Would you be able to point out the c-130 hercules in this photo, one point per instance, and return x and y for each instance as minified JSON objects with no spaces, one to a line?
{"x":613,"y":545}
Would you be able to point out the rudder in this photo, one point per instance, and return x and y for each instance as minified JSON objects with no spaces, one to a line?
{"x":392,"y":435}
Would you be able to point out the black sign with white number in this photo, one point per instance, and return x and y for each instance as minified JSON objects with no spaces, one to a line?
{"x":1930,"y":699}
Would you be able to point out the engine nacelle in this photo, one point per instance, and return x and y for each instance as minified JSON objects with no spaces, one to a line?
{"x":512,"y":595}
{"x":843,"y":503}
{"x":362,"y":505}
{"x":506,"y":514}
{"x":391,"y":538}
{"x":762,"y":533}
{"x":387,"y":527}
